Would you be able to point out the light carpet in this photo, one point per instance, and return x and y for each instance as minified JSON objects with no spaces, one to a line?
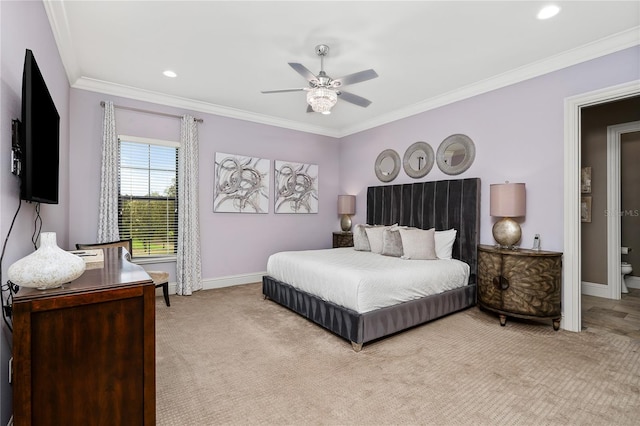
{"x":227,"y":356}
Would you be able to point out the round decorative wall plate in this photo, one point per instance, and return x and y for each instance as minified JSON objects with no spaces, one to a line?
{"x":418,"y":160}
{"x":455,"y":154}
{"x":387,"y":165}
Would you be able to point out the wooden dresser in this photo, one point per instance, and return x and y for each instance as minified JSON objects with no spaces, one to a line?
{"x":85,"y":353}
{"x":520,"y":283}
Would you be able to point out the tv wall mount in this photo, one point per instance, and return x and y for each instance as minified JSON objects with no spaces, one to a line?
{"x":16,"y":153}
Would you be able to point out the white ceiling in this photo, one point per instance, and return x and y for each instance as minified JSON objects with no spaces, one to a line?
{"x":426,"y":53}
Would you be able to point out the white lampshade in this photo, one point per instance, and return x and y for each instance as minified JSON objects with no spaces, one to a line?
{"x":508,"y":200}
{"x":346,"y":204}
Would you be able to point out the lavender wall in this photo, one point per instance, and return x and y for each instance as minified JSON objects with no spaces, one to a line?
{"x":232,"y":244}
{"x":518,"y":132}
{"x":24,"y":24}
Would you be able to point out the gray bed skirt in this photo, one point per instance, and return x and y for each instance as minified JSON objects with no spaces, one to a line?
{"x":362,"y":328}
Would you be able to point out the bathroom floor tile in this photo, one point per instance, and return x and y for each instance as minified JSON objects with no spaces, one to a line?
{"x":606,"y":311}
{"x":621,"y":317}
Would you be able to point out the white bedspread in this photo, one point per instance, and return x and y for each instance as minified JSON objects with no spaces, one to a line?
{"x":365,"y":281}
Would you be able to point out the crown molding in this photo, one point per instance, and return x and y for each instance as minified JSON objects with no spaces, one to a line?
{"x":113,"y":89}
{"x":57,"y":16}
{"x":59,"y":24}
{"x":575,"y":56}
{"x":602,"y":47}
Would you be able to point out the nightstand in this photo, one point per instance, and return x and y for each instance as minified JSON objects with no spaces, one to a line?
{"x":520,"y":283}
{"x":342,"y":239}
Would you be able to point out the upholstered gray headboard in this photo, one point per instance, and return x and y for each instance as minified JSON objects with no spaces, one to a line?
{"x":441,"y":205}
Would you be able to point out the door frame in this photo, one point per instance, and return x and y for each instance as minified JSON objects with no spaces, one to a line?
{"x":572,"y":263}
{"x":614,"y":134}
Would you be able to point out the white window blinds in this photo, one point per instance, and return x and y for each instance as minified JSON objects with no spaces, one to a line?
{"x":148,"y":209}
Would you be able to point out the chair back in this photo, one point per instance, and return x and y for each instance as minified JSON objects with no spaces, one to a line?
{"x":126,"y":244}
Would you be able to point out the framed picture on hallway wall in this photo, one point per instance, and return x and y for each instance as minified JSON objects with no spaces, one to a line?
{"x":296,"y":188}
{"x":585,"y":208}
{"x":585,"y":180}
{"x":241,"y":184}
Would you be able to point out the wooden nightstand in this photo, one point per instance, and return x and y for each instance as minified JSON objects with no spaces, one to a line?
{"x":520,"y":283}
{"x":342,"y":239}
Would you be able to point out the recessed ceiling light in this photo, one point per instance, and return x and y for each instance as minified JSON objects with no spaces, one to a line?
{"x":548,"y":11}
{"x":169,"y":73}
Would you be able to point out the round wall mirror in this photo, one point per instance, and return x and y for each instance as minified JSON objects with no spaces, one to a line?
{"x":418,"y":160}
{"x":455,"y":154}
{"x":387,"y":165}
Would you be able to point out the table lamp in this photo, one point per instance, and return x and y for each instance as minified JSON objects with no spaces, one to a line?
{"x":507,"y":201}
{"x":346,"y":208}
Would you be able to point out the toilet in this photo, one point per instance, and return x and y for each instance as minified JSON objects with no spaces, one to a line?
{"x":625,"y":268}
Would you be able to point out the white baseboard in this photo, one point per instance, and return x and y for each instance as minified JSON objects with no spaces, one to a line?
{"x":231,"y":280}
{"x":590,"y":289}
{"x":221,"y":282}
{"x":172,"y":289}
{"x":595,"y":289}
{"x":601,"y":290}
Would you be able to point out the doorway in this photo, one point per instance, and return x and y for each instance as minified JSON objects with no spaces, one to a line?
{"x":615,"y":207}
{"x":602,"y":127}
{"x":572,"y":264}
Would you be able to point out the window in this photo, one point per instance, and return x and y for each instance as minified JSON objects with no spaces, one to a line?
{"x":148,"y":201}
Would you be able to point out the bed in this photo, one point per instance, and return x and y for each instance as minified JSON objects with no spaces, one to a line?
{"x":441,"y":205}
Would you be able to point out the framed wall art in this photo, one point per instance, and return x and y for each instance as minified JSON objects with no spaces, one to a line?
{"x":585,"y":180}
{"x":296,"y":187}
{"x":241,"y":184}
{"x":585,"y":208}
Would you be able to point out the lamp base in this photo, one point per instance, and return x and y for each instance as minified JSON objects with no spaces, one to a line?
{"x":345,"y":223}
{"x":507,"y":232}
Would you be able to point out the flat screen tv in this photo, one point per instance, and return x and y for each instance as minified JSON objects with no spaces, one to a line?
{"x":39,"y":137}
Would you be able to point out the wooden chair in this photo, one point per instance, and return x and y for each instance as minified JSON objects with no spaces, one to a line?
{"x":160,"y":278}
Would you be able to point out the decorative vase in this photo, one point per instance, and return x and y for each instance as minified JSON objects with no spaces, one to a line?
{"x":47,"y":267}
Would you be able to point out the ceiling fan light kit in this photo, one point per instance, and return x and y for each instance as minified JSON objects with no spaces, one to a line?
{"x":323,"y":93}
{"x":322,"y":100}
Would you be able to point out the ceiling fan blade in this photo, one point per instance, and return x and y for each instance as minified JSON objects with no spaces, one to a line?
{"x":303,"y":71}
{"x":356,"y":77}
{"x":282,"y":91}
{"x":354,"y":99}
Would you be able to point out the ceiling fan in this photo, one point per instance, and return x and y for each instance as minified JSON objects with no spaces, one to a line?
{"x":323,"y":91}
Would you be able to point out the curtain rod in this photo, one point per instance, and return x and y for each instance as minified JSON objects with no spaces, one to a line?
{"x":199,"y":120}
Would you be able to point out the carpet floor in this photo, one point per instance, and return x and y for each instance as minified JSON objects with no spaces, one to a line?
{"x":227,"y":356}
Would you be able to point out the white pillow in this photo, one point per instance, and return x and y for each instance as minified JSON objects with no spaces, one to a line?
{"x":418,"y":244}
{"x":444,"y":243}
{"x":360,"y":239}
{"x":391,"y":242}
{"x":374,"y":234}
